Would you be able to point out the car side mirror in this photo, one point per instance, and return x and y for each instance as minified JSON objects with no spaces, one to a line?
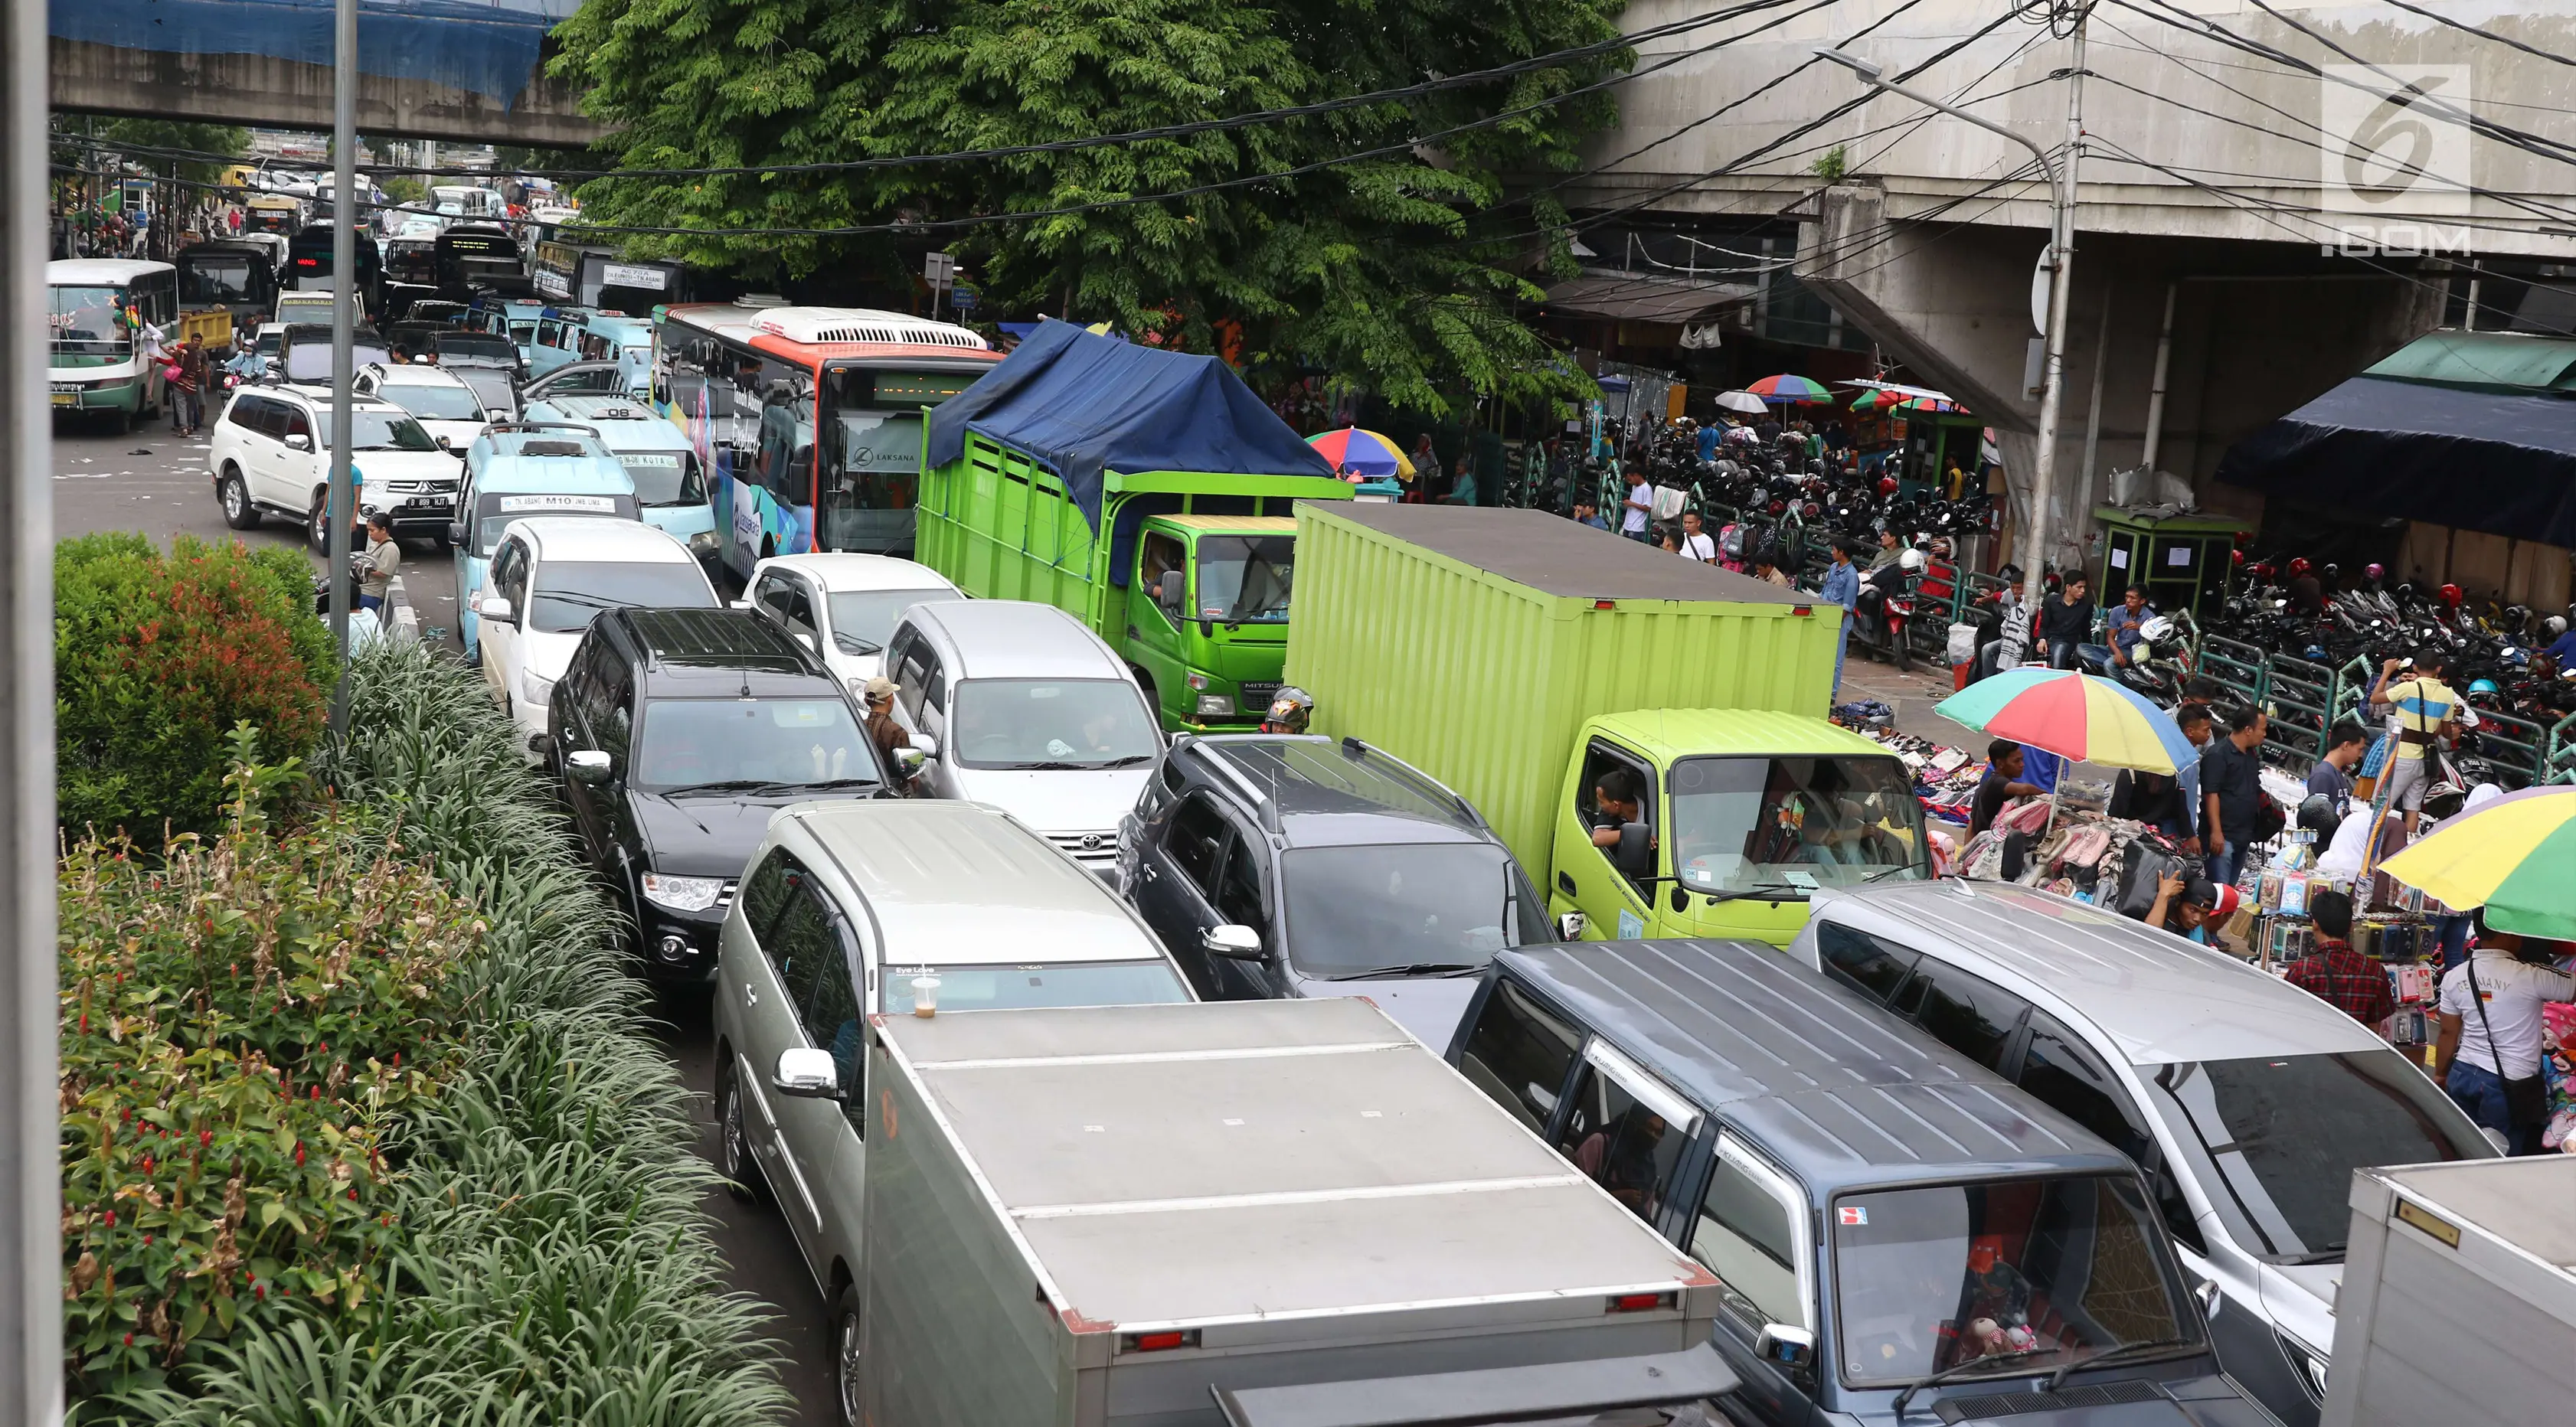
{"x":1779,"y":1344}
{"x":299,"y":442}
{"x":445,"y":443}
{"x":541,"y":744}
{"x":742,"y":604}
{"x":1636,"y":852}
{"x":1232,"y":941}
{"x":587,"y":765}
{"x":908,"y":761}
{"x":1569,"y":927}
{"x":496,"y":608}
{"x":927,"y":745}
{"x":2211,"y":1299}
{"x":807,"y":1074}
{"x":456,"y":532}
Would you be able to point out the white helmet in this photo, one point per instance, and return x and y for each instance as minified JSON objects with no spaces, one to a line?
{"x":2555,"y":625}
{"x":1911,"y":562}
{"x":2157,"y":627}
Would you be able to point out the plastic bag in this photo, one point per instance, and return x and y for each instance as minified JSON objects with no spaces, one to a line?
{"x":1963,"y":643}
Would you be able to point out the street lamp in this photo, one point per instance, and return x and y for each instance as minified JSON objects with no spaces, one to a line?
{"x":2061,"y":264}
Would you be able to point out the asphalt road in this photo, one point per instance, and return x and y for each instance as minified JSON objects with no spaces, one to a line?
{"x":157,"y":483}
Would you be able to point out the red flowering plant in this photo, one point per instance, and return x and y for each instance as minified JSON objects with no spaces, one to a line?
{"x":244,"y":1021}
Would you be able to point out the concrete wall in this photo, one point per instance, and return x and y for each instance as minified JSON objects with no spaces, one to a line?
{"x":254,"y":90}
{"x":2258,"y":330}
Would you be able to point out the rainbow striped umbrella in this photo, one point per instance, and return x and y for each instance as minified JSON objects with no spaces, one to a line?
{"x":1363,"y":451}
{"x":2511,"y":856}
{"x":2065,"y":713}
{"x":1786,"y":388}
{"x":1924,"y":405}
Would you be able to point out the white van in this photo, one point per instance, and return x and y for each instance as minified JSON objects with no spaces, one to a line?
{"x":2248,"y":1102}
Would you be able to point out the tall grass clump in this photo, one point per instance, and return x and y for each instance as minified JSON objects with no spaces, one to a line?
{"x":553,"y":1265}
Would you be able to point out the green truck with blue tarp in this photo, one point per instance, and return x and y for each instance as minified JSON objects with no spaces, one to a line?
{"x":1148,"y":493}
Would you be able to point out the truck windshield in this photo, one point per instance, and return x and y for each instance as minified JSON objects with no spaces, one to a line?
{"x":1039,"y":985}
{"x":2283,"y":1134}
{"x":1352,"y":911}
{"x":1785,"y":826}
{"x":1051,"y":723}
{"x":728,"y":743}
{"x":2035,"y":1273}
{"x":86,"y":321}
{"x":1244,"y":579}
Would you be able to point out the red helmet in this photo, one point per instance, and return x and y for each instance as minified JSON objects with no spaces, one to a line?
{"x":2299,"y":567}
{"x":2262,"y":570}
{"x":1887,"y":485}
{"x":2451,"y":595}
{"x":1779,"y":507}
{"x":1813,"y":510}
{"x":2244,"y":538}
{"x":2373,"y":571}
{"x":2239,"y":556}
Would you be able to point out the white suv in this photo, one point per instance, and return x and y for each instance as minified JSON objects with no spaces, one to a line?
{"x":271,"y":453}
{"x":439,"y":400}
{"x":550,"y":576}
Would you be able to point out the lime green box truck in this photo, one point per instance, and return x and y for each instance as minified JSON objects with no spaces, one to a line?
{"x":1522,"y":659}
{"x":1148,"y":493}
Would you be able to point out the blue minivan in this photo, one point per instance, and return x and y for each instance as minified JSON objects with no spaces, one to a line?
{"x":670,"y":481}
{"x":1892,"y":1225}
{"x":517,"y":469}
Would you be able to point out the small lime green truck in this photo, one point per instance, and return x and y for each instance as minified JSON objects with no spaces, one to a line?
{"x":1526,"y":661}
{"x":1148,"y":493}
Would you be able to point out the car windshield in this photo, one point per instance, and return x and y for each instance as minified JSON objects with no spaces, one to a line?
{"x":1785,"y":826}
{"x":1244,"y":579}
{"x":1051,"y":723}
{"x":493,"y":385}
{"x":861,"y":619}
{"x":434,"y":403}
{"x":475,"y":346}
{"x":2035,"y":1273}
{"x":665,"y":477}
{"x":2283,"y":1134}
{"x":377,"y":430}
{"x":494,"y":511}
{"x":788,"y":743}
{"x":1355,"y":910}
{"x":86,"y":321}
{"x":269,"y":339}
{"x":311,"y":361}
{"x":569,"y":594}
{"x":217,"y":277}
{"x":1037,"y":985}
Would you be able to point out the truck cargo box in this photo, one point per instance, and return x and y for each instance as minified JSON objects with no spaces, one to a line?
{"x":1117,"y":1214}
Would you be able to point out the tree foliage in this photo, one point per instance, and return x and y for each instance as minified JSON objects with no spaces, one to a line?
{"x":1402,"y":272}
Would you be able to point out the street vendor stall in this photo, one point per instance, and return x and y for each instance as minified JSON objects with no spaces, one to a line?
{"x":2184,"y":558}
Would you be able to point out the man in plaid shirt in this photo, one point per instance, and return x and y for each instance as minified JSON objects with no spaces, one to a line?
{"x":2338,"y":975}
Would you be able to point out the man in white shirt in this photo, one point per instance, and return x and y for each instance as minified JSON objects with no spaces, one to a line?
{"x":2490,"y":1033}
{"x":1697,"y":543}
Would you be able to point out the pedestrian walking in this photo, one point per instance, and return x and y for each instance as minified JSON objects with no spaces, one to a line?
{"x":1637,"y":509}
{"x":2487,"y":1051}
{"x":1696,"y":542}
{"x":2427,"y":716}
{"x":2231,"y":789}
{"x":188,"y":412}
{"x":1841,"y":587}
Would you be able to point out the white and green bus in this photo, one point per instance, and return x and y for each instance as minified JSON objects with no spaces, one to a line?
{"x":96,"y":363}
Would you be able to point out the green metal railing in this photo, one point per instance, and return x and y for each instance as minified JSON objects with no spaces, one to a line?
{"x":2300,"y":696}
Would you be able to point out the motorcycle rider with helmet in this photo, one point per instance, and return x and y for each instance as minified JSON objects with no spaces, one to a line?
{"x":1291,"y":709}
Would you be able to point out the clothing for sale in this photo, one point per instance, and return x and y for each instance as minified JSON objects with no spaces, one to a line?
{"x":2154,"y":799}
{"x":2346,"y":980}
{"x":2514,"y":992}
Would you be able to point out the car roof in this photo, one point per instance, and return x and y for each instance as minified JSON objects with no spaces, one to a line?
{"x":1836,"y":1091}
{"x":414,"y":374}
{"x":318,"y":396}
{"x":561,"y":538}
{"x":506,"y":466}
{"x":637,"y":426}
{"x":1320,"y":793}
{"x":839,"y":570}
{"x":1019,"y":639}
{"x":1676,"y":733}
{"x":720,"y":652}
{"x":956,"y":882}
{"x":2157,"y":997}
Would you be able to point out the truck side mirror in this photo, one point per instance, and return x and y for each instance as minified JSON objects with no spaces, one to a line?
{"x":1793,"y":1349}
{"x":1636,"y":851}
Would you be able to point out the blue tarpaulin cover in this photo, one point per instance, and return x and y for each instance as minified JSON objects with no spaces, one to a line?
{"x":2474,"y":460}
{"x":1081,"y":404}
{"x":487,"y":47}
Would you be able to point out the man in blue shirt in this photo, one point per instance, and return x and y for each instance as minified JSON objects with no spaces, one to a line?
{"x":1708,"y":443}
{"x":2122,"y":624}
{"x":2563,"y":652}
{"x":2040,"y":768}
{"x":1842,"y":587}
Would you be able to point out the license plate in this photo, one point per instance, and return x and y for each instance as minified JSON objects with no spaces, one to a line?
{"x":60,"y":387}
{"x":66,"y":398}
{"x":426,"y":500}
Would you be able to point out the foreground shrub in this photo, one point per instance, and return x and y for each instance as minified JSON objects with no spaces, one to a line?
{"x":157,"y":658}
{"x":242,"y":1024}
{"x":552,"y":1262}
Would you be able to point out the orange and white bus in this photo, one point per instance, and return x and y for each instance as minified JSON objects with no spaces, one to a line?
{"x":808,"y":419}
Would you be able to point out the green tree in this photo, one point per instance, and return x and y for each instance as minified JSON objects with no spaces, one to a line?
{"x":1403,"y":272}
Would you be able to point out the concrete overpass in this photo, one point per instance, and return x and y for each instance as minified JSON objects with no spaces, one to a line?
{"x":2204,"y":192}
{"x":431,"y":69}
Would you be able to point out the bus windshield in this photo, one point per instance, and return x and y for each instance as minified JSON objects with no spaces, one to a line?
{"x":872,"y":473}
{"x":216,"y":277}
{"x":88,"y":321}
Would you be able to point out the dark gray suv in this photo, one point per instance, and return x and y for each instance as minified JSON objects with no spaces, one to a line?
{"x":1277,"y":865}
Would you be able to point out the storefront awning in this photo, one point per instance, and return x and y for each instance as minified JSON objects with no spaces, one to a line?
{"x":1643,"y":299}
{"x":2474,"y":460}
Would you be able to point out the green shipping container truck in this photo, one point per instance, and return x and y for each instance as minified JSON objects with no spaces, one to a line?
{"x":1147,"y":493}
{"x":1523,"y":659}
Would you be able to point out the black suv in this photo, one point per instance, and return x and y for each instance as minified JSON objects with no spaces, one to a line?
{"x":677,"y":732}
{"x":1276,"y":865}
